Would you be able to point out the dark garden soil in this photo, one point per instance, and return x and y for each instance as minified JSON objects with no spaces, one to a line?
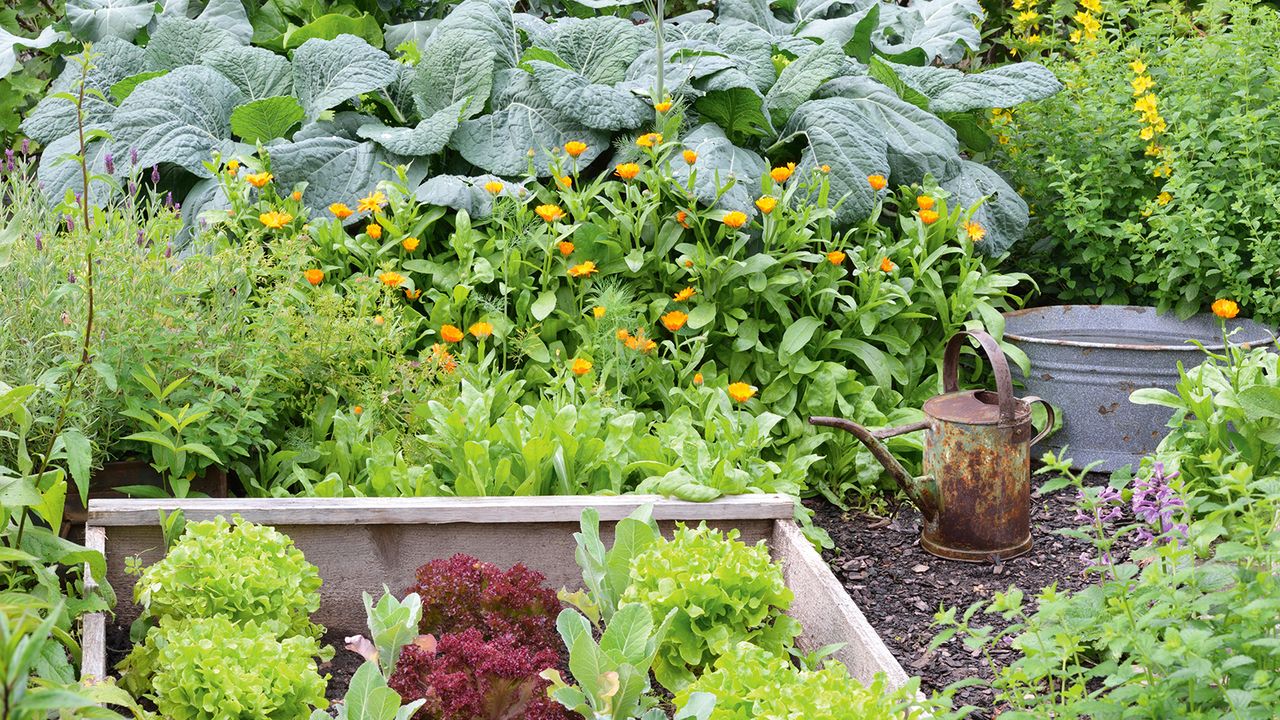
{"x":899,"y":586}
{"x":340,"y":669}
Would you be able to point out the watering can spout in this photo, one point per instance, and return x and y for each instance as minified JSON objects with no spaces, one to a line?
{"x":922,"y":490}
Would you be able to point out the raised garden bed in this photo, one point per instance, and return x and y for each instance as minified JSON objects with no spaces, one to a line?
{"x":359,"y":545}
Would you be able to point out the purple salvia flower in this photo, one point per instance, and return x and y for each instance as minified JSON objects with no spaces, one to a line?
{"x":133,"y":188}
{"x":1155,"y":503}
{"x":109,"y":162}
{"x":168,"y":250}
{"x":155,"y":174}
{"x":133,"y":156}
{"x":39,"y":241}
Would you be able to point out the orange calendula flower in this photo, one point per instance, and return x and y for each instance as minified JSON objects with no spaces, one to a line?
{"x":663,"y":106}
{"x":646,"y":346}
{"x":585,"y":269}
{"x":550,"y":213}
{"x":928,"y":217}
{"x":372,"y":202}
{"x":674,"y":320}
{"x":826,"y":169}
{"x":688,"y":263}
{"x":924,"y":202}
{"x":575,"y":148}
{"x":391,"y":278}
{"x":493,"y":187}
{"x":412,"y":294}
{"x":275,"y":220}
{"x":741,"y":392}
{"x":690,"y":157}
{"x":379,"y":320}
{"x":258,"y":180}
{"x":877,"y":182}
{"x":767,"y":204}
{"x":374,"y":230}
{"x":580,"y":367}
{"x":783,"y":173}
{"x":481,"y":329}
{"x":357,"y":409}
{"x":623,"y":335}
{"x":566,"y":248}
{"x":1225,"y":309}
{"x":697,"y":378}
{"x":836,"y":257}
{"x":315,"y":276}
{"x":886,"y":265}
{"x":233,"y":166}
{"x":735,"y":219}
{"x":627,"y":171}
{"x":565,"y":181}
{"x":297,"y":195}
{"x":598,"y":311}
{"x":974,"y":231}
{"x":410,"y":243}
{"x":682,"y":217}
{"x":684,"y":295}
{"x":649,"y":140}
{"x":341,"y":211}
{"x":451,"y":334}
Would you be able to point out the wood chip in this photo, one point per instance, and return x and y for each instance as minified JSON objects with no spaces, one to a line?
{"x":920,"y":568}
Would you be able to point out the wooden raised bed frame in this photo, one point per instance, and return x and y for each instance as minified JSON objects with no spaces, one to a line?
{"x":363,"y":543}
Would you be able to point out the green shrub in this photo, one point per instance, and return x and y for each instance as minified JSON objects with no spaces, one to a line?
{"x":723,"y":592}
{"x":1174,"y":206}
{"x":239,"y":571}
{"x":213,"y":668}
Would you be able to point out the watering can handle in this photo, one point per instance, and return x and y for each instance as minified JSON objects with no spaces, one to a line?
{"x":999,"y":366}
{"x":1048,"y":417}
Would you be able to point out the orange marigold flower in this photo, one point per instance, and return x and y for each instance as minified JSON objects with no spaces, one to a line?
{"x":682,"y":217}
{"x":767,"y":204}
{"x":741,"y":392}
{"x":690,"y":157}
{"x":623,"y":335}
{"x":663,"y":106}
{"x":887,"y":265}
{"x":924,"y":202}
{"x":627,"y":171}
{"x":697,"y":378}
{"x":379,"y":320}
{"x":974,"y":231}
{"x":674,"y":320}
{"x":1225,"y":309}
{"x":391,"y":278}
{"x":735,"y":219}
{"x":410,"y":243}
{"x":550,"y":213}
{"x":649,"y":140}
{"x":451,"y":334}
{"x":315,"y":276}
{"x":493,"y":187}
{"x":575,"y":148}
{"x":566,"y":247}
{"x":374,"y":230}
{"x":297,"y":195}
{"x":877,"y":182}
{"x":565,"y":181}
{"x":825,"y":169}
{"x":648,"y":346}
{"x":341,"y":211}
{"x":598,"y":311}
{"x":928,"y":217}
{"x":584,"y":269}
{"x":357,"y":409}
{"x":258,"y":180}
{"x":372,"y":202}
{"x":412,"y":294}
{"x":783,"y":173}
{"x":233,"y":166}
{"x":481,"y":329}
{"x":688,"y":263}
{"x":580,"y":367}
{"x":275,"y":220}
{"x":836,"y":257}
{"x":684,"y":295}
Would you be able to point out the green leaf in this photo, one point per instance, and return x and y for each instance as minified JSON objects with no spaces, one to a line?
{"x":415,"y":33}
{"x":720,"y":164}
{"x":702,"y":315}
{"x":800,"y":79}
{"x":177,"y":41}
{"x":544,"y":305}
{"x":55,"y":117}
{"x":258,"y":73}
{"x":599,"y":107}
{"x":368,"y":697}
{"x":950,"y":90}
{"x":739,"y":111}
{"x":626,"y":638}
{"x":840,"y":133}
{"x":598,"y":48}
{"x":330,"y":27}
{"x":918,"y":142}
{"x":264,"y":120}
{"x":122,"y":89}
{"x":1003,"y":213}
{"x":327,"y":73}
{"x":453,"y":69}
{"x":79,"y":460}
{"x":797,"y":336}
{"x":9,"y":41}
{"x":1260,"y":401}
{"x":942,"y":29}
{"x":466,"y":194}
{"x":180,"y":118}
{"x":429,"y":137}
{"x":95,"y":20}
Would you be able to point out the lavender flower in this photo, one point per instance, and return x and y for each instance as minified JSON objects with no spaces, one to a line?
{"x":1155,"y":503}
{"x":133,"y":188}
{"x":155,"y":174}
{"x":168,"y":199}
{"x":141,"y":237}
{"x":133,"y":156}
{"x":168,"y":250}
{"x":71,"y":223}
{"x":26,"y":146}
{"x":39,"y":241}
{"x":109,"y":162}
{"x":71,"y":277}
{"x":8,"y":159}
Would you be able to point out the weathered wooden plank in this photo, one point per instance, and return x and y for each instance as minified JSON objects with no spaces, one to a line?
{"x":826,"y":611}
{"x":93,"y":627}
{"x":426,"y":511}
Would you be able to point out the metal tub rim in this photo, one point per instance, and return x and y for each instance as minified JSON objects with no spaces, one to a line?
{"x":1062,"y":310}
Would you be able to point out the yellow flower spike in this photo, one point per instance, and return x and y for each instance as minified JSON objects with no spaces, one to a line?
{"x":374,"y":230}
{"x":684,"y":295}
{"x":391,"y":278}
{"x":627,"y":171}
{"x":550,"y":213}
{"x":584,"y":269}
{"x":315,"y":276}
{"x":1164,"y":198}
{"x":767,"y":204}
{"x":580,"y":367}
{"x":735,"y":219}
{"x":493,"y":187}
{"x":1138,"y":67}
{"x":275,"y":219}
{"x":341,"y":211}
{"x":741,"y":392}
{"x":690,"y":157}
{"x":451,"y":334}
{"x":258,"y":180}
{"x":575,"y":148}
{"x":372,"y":202}
{"x":1225,"y":309}
{"x":674,"y":320}
{"x":481,"y":330}
{"x":410,"y":243}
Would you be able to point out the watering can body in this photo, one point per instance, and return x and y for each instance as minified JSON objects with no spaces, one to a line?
{"x":975,"y":494}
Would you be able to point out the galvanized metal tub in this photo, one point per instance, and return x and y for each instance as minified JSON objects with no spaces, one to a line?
{"x":1087,"y":359}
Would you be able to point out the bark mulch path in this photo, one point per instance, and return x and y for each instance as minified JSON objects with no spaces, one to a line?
{"x":899,"y":586}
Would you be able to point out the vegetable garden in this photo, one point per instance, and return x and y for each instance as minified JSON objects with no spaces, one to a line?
{"x":290,"y":288}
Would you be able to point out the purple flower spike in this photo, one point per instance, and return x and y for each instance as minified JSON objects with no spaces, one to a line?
{"x":71,"y":277}
{"x":141,"y":237}
{"x":1155,"y":503}
{"x":168,"y":199}
{"x":39,"y":241}
{"x":26,"y":146}
{"x":109,"y":162}
{"x":168,"y":250}
{"x":155,"y":173}
{"x":133,"y":188}
{"x":133,"y":156}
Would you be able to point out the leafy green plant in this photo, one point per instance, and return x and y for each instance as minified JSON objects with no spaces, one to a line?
{"x":606,"y":573}
{"x":237,"y":570}
{"x":393,"y":624}
{"x":722,"y":592}
{"x":170,"y":452}
{"x":214,"y":668}
{"x":370,"y":698}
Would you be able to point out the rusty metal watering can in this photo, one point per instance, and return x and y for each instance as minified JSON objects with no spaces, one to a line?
{"x":975,"y":494}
